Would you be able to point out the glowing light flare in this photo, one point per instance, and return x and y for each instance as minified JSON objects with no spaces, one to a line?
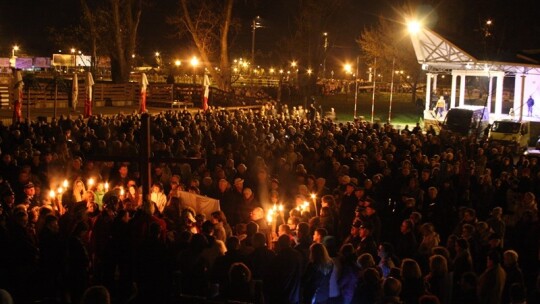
{"x":65,"y":183}
{"x":122,"y":191}
{"x":90,"y":182}
{"x":52,"y":194}
{"x":177,"y":63}
{"x":313,"y":195}
{"x":106,"y":186}
{"x":347,"y":68}
{"x":414,"y":26}
{"x":194,"y":61}
{"x":60,"y":190}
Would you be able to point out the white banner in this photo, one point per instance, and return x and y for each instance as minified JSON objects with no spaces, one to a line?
{"x":202,"y":204}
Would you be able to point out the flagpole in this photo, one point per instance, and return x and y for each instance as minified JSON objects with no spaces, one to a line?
{"x":391,"y":92}
{"x":373,"y":95}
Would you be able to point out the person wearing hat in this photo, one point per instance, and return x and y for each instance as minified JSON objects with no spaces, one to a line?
{"x":354,"y":238}
{"x":367,"y":243}
{"x":238,"y":186}
{"x":370,"y":216}
{"x":30,"y":199}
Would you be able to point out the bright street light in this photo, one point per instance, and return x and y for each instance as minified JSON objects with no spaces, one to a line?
{"x":157,"y":54}
{"x":309,"y":71}
{"x":177,"y":63}
{"x":414,"y":27}
{"x":194,"y":61}
{"x":347,"y":68}
{"x":294,"y":63}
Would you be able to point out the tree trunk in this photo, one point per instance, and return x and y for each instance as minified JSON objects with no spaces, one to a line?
{"x":119,"y":71}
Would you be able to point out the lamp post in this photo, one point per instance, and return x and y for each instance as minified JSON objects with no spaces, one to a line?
{"x":391,"y":92}
{"x":158,"y":59}
{"x":13,"y":50}
{"x":294,"y":66}
{"x":255,"y":24}
{"x":348,"y":71}
{"x":356,"y":86}
{"x":194,"y":63}
{"x":325,"y":46}
{"x":373,"y":94}
{"x":13,"y":58}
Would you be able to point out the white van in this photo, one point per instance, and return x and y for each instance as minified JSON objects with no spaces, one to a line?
{"x":511,"y":133}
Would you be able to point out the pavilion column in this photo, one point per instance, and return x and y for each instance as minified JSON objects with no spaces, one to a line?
{"x":462,"y":90}
{"x":517,"y":92}
{"x":428,"y":90}
{"x":499,"y":94}
{"x":453,"y":91}
{"x":434,"y":90}
{"x":488,"y":103}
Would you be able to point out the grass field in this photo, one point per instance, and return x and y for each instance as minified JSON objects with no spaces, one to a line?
{"x":403,"y":109}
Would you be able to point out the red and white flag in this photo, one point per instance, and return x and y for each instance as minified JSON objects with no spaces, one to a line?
{"x":206,"y":84}
{"x":75,"y":92}
{"x":144,"y":85}
{"x":89,"y":82}
{"x":17,"y":105}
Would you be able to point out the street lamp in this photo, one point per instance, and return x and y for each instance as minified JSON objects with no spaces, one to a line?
{"x":158,"y":58}
{"x":255,"y":24}
{"x":325,"y":46}
{"x":194,"y":63}
{"x":15,"y":49}
{"x":414,"y":26}
{"x":294,"y":65}
{"x":348,"y":70}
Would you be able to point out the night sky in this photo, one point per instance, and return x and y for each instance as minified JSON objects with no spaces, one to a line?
{"x":517,"y":25}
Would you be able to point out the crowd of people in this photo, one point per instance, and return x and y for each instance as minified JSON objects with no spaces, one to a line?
{"x":311,"y":211}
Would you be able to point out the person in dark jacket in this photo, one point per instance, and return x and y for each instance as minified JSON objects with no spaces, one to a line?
{"x":367,"y":243}
{"x":407,"y":244}
{"x":282,"y":281}
{"x":514,"y":275}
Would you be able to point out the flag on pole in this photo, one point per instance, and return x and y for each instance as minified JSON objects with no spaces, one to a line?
{"x":88,"y":102}
{"x":144,"y":85}
{"x":17,"y":105}
{"x":206,"y":84}
{"x":75,"y":92}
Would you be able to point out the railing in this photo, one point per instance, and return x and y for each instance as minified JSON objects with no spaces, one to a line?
{"x":42,"y":95}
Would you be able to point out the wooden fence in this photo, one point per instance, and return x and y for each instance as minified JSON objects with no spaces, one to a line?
{"x":42,"y":94}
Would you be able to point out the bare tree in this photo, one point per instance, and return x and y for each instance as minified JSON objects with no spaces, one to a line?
{"x":114,"y":24}
{"x":209,"y":24}
{"x":387,"y":42}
